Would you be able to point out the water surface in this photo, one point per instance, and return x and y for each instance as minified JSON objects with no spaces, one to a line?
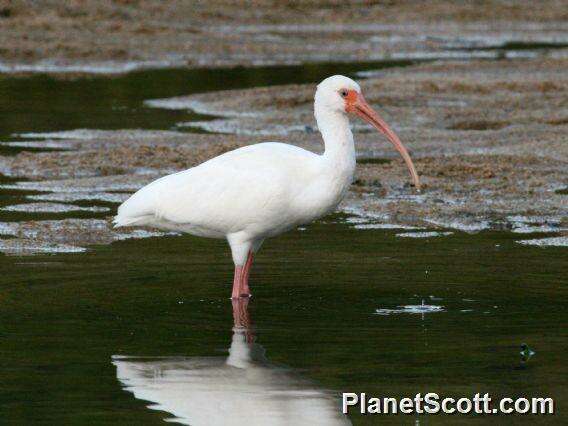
{"x":42,"y":103}
{"x":316,"y":293}
{"x":329,"y":313}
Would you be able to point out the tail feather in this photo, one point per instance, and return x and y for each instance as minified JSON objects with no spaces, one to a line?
{"x":139,"y":209}
{"x":120,"y":221}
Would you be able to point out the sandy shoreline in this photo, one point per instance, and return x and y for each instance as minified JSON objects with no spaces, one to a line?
{"x":121,"y":36}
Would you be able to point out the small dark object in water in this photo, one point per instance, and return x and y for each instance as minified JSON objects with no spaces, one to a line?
{"x":526,"y":353}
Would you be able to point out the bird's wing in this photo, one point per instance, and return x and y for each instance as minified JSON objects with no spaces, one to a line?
{"x":229,"y":192}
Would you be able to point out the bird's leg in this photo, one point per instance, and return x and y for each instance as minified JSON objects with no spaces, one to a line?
{"x":237,"y":280}
{"x":245,"y":290}
{"x":242,"y":250}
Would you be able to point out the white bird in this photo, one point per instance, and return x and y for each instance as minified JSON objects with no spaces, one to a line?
{"x":243,"y":389}
{"x":262,"y":190}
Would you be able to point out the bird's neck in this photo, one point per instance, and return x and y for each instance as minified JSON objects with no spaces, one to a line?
{"x":338,"y":140}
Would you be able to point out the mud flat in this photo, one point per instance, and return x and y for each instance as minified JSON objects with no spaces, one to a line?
{"x":488,"y":140}
{"x":61,"y":236}
{"x":120,"y":36}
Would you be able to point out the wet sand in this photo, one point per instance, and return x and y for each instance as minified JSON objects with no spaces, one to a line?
{"x":488,"y":140}
{"x":118,"y":36}
{"x":488,"y":136}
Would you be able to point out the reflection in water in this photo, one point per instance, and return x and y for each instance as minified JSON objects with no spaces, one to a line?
{"x":243,"y":388}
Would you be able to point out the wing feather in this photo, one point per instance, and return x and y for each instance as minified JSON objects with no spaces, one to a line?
{"x":239,"y":189}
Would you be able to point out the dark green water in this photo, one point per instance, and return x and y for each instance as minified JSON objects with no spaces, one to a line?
{"x":316,"y":291}
{"x":315,"y":294}
{"x":42,"y":104}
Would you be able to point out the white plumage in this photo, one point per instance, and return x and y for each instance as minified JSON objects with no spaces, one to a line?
{"x":246,"y":191}
{"x":261,"y":190}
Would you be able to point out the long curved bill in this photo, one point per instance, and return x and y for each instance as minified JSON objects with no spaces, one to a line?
{"x":363,"y":110}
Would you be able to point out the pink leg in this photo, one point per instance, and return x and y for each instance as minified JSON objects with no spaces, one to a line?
{"x":237,"y":280}
{"x":245,"y":290}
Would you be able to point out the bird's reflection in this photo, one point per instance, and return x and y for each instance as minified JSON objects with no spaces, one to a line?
{"x":241,"y":389}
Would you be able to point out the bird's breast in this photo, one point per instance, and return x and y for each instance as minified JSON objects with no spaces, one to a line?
{"x":324,"y":194}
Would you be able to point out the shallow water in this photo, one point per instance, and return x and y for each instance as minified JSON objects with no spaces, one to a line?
{"x":69,"y":321}
{"x":316,"y":293}
{"x":41,"y":103}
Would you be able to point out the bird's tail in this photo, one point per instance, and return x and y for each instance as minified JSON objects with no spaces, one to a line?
{"x":120,"y":220}
{"x":139,"y":209}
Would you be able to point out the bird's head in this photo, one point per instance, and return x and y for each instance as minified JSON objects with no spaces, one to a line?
{"x":340,"y":94}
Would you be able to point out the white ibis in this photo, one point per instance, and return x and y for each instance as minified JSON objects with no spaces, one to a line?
{"x":262,"y":190}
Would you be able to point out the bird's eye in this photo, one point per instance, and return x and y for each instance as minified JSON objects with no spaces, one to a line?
{"x":343,"y":93}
